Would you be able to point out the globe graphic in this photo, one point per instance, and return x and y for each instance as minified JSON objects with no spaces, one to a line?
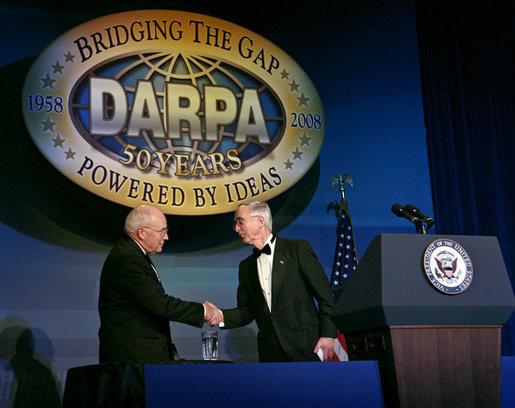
{"x":197,"y":70}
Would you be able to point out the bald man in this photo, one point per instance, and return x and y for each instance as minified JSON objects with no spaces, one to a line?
{"x":134,"y":309}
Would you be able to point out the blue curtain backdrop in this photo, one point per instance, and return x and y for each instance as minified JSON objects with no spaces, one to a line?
{"x":467,"y":82}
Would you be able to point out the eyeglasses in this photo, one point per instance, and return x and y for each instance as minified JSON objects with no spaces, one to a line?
{"x":239,"y":221}
{"x":161,"y":232}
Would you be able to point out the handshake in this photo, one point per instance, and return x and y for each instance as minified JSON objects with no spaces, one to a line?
{"x":212,"y":315}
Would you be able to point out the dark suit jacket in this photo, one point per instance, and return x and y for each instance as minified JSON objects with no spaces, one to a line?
{"x":135,"y":310}
{"x":297,"y":278}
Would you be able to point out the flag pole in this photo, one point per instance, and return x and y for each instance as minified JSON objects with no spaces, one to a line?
{"x":345,"y":258}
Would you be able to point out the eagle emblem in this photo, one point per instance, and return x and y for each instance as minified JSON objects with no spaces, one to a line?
{"x":447,"y":266}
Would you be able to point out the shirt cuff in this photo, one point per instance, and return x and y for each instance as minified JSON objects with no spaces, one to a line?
{"x":221,"y":324}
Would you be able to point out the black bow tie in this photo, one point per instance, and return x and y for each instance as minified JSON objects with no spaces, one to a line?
{"x":265,"y":250}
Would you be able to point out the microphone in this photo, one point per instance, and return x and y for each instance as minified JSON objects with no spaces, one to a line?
{"x":417,"y":213}
{"x":400,"y":211}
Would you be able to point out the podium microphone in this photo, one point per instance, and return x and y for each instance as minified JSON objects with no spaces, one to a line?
{"x":417,"y":213}
{"x":400,"y":211}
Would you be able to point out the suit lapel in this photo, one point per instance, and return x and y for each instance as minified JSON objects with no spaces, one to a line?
{"x":152,"y":271}
{"x":278,"y":272}
{"x":255,"y":285}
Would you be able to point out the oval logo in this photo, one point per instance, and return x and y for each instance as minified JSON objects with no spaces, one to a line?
{"x":186,"y":112}
{"x":448,"y":266}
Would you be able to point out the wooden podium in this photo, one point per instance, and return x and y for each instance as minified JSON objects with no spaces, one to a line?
{"x":434,"y":349}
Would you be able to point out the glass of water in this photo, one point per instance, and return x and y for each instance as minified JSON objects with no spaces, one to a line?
{"x":210,"y":345}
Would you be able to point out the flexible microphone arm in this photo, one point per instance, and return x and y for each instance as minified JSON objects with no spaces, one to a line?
{"x":415,"y":211}
{"x":422,"y":222}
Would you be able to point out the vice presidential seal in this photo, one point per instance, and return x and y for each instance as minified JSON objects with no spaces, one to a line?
{"x":448,"y":266}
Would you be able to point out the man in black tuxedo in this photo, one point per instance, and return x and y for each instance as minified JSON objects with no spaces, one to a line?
{"x":277,"y":287}
{"x":134,"y":309}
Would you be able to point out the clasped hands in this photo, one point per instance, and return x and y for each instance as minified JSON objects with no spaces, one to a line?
{"x":213,"y":315}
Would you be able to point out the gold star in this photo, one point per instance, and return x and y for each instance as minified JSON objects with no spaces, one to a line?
{"x":304,"y":139}
{"x":48,"y":125}
{"x":48,"y":82}
{"x":297,"y":154}
{"x":70,"y":154}
{"x":303,"y":100}
{"x":58,"y":141}
{"x":284,"y":74}
{"x":69,"y":57}
{"x":288,"y":164}
{"x":294,"y":86}
{"x":58,"y":68}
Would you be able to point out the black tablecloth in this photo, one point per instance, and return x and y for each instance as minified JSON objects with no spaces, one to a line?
{"x":111,"y":384}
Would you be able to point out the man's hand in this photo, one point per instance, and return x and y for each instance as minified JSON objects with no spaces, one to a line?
{"x":213,"y":316}
{"x":327,"y":346}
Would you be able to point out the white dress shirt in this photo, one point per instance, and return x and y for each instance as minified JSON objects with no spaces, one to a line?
{"x":264,"y":265}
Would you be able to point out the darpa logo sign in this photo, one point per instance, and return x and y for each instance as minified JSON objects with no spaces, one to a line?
{"x":186,"y":112}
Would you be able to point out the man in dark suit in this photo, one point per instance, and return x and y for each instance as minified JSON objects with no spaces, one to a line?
{"x":134,"y":309}
{"x":277,"y":287}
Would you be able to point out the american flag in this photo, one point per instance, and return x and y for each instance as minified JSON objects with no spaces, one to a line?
{"x":345,"y":259}
{"x":345,"y":263}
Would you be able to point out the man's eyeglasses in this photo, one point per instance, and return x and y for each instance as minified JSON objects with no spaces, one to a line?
{"x":161,"y":232}
{"x":239,"y":221}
